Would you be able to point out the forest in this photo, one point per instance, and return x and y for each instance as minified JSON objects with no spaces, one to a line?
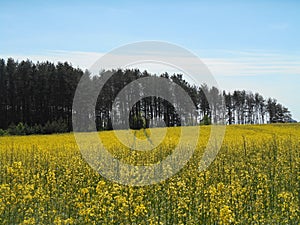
{"x":38,"y":98}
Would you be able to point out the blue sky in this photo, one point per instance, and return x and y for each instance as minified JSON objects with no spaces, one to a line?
{"x":253,"y":45}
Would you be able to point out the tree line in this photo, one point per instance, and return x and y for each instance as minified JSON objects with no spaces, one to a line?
{"x":38,"y":98}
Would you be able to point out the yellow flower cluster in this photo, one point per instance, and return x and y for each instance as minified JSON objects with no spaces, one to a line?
{"x":253,"y":180}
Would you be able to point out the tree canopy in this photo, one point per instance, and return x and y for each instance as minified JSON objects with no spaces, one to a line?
{"x":40,"y":96}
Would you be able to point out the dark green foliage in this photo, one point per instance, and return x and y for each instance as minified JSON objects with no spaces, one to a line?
{"x":12,"y":129}
{"x":33,"y":94}
{"x":2,"y":132}
{"x":20,"y":129}
{"x":38,"y":97}
{"x":137,"y":122}
{"x":23,"y":129}
{"x":206,"y":120}
{"x":58,"y":126}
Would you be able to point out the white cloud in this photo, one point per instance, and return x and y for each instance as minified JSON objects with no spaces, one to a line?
{"x":254,"y":64}
{"x":231,"y":63}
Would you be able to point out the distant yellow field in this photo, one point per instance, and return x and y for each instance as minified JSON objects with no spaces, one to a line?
{"x":253,"y":180}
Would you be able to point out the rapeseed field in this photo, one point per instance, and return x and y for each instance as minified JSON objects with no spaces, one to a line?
{"x":255,"y":179}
